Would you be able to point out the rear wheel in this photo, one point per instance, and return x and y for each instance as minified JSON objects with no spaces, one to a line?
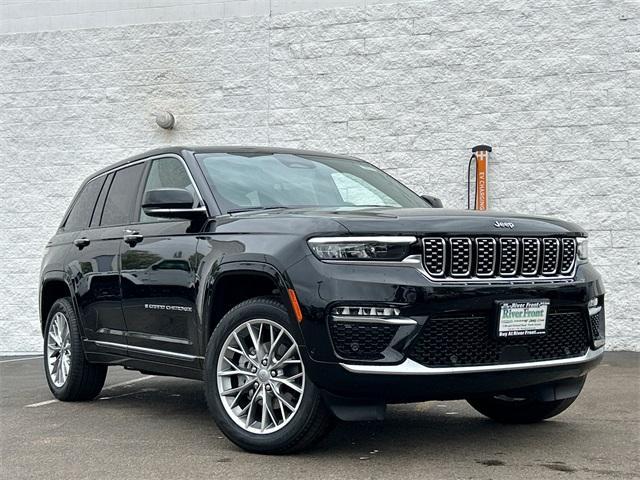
{"x":256,"y":385}
{"x":505,"y":409}
{"x":69,"y":375}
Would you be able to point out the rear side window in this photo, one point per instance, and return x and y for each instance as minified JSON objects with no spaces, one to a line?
{"x":80,"y":214}
{"x":120,"y":204}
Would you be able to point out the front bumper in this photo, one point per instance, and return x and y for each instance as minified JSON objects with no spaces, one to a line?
{"x":321,"y":286}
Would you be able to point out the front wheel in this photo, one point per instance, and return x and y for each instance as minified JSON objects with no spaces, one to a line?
{"x":505,"y":409}
{"x":255,"y":381}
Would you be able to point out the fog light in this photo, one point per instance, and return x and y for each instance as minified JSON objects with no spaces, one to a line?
{"x":357,"y":311}
{"x":593,"y":302}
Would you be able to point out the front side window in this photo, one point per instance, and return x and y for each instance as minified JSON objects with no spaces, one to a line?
{"x":244,"y":180}
{"x":166,"y":173}
{"x":80,"y":214}
{"x":120,"y":203}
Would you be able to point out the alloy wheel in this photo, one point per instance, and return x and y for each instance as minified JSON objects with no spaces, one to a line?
{"x":260,"y":376}
{"x":59,"y":349}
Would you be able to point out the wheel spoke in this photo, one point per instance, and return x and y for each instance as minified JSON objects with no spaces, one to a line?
{"x":254,"y":340}
{"x":284,"y":357}
{"x":263,"y":420}
{"x":252,"y":404}
{"x":282,"y":399}
{"x":236,"y":390}
{"x":243,"y":351}
{"x":267,"y":403}
{"x":274,"y":343}
{"x":288,"y":384}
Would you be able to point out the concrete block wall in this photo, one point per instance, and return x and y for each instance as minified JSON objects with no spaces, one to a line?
{"x":554,"y":86}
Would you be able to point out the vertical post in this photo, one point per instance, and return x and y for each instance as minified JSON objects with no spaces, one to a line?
{"x":482,"y":181}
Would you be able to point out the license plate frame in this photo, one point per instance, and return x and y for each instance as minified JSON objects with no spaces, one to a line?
{"x":521,"y":318}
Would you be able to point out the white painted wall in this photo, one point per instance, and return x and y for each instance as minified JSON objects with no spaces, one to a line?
{"x":554,"y":86}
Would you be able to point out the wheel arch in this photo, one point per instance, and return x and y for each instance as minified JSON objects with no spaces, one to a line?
{"x":53,"y":288}
{"x":235,"y":282}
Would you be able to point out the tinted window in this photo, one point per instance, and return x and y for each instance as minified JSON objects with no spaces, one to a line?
{"x":257,"y":180}
{"x":97,"y":213}
{"x":120,"y":204}
{"x":166,"y":173}
{"x":82,"y":209}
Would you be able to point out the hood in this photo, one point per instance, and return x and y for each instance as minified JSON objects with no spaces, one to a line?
{"x":409,"y":221}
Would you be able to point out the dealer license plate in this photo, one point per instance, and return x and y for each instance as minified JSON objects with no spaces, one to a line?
{"x":519,"y":318}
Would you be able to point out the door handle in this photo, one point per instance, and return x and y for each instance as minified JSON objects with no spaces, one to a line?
{"x":81,"y":242}
{"x":132,"y":237}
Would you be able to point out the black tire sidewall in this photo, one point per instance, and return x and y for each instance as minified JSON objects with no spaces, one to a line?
{"x":311,"y":399}
{"x":65,"y":392}
{"x":525,"y":411}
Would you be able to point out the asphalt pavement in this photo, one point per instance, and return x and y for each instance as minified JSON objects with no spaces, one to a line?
{"x":149,"y":427}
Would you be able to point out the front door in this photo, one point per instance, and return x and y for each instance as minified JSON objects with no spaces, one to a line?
{"x":158,"y":274}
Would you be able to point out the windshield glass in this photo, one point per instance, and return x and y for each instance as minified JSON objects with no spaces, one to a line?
{"x":248,"y":180}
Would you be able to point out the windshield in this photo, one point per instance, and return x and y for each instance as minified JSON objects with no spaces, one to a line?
{"x":248,"y":180}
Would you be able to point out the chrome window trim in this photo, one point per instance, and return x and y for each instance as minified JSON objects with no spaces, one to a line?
{"x":495,"y":257}
{"x":517,"y":260}
{"x":152,"y":351}
{"x":410,"y":367}
{"x":469,"y":243}
{"x":157,"y":157}
{"x":379,"y":320}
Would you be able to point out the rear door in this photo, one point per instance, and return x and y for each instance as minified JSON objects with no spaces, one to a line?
{"x":97,"y":261}
{"x":158,"y":273}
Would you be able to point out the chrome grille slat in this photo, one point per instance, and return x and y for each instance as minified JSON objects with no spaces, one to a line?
{"x":530,"y":257}
{"x":568,"y":255}
{"x":434,"y":262}
{"x":460,"y":256}
{"x":550,"y":255}
{"x":509,"y":256}
{"x":486,"y":258}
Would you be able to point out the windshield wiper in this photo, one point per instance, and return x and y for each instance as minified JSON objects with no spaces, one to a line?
{"x":249,"y":209}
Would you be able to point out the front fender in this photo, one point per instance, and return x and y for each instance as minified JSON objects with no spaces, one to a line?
{"x":215,"y":273}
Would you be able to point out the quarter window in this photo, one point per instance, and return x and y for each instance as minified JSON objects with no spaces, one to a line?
{"x":120,"y":204}
{"x":80,"y":214}
{"x":166,"y":173}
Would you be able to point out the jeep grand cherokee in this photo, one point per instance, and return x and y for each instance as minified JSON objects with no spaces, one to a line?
{"x":302,"y":287}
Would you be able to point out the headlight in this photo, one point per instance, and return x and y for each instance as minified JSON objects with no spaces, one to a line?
{"x":361,"y":248}
{"x":583,"y":248}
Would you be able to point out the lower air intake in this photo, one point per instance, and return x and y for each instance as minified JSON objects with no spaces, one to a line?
{"x":469,"y":340}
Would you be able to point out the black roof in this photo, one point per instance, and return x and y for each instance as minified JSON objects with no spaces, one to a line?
{"x":178,"y":150}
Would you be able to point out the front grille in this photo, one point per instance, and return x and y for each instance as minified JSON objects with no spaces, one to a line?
{"x":360,"y":340}
{"x":470,"y":340}
{"x":509,"y":258}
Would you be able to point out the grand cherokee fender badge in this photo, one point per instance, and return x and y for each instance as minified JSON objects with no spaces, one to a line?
{"x":503,"y":224}
{"x":171,"y":308}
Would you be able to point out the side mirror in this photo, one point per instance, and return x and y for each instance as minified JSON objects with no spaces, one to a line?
{"x":171,"y":203}
{"x":434,"y":202}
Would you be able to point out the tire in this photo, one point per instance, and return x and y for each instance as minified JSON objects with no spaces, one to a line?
{"x":293,"y":420}
{"x":75,"y":379}
{"x":509,"y":410}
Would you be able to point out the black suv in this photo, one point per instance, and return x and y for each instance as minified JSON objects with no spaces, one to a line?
{"x":303,"y":286}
